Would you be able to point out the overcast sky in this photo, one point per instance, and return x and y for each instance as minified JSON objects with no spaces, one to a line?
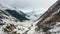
{"x":29,"y":5}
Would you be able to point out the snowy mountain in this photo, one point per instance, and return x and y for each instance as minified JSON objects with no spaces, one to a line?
{"x":34,"y":15}
{"x":50,"y":21}
{"x":13,"y":21}
{"x":13,"y":12}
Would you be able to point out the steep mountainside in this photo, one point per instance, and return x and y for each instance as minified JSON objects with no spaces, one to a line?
{"x":50,"y":20}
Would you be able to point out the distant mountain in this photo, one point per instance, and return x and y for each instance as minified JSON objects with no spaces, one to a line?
{"x":34,"y":15}
{"x":17,"y":15}
{"x":13,"y":12}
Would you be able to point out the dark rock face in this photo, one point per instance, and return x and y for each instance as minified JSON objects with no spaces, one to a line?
{"x":15,"y":14}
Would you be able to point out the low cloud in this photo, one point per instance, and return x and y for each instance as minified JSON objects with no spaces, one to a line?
{"x":29,"y":4}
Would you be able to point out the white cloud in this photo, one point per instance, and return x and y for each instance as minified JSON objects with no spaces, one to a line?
{"x":29,"y":4}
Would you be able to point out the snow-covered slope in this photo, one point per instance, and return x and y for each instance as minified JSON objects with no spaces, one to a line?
{"x":50,"y":20}
{"x":34,"y":15}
